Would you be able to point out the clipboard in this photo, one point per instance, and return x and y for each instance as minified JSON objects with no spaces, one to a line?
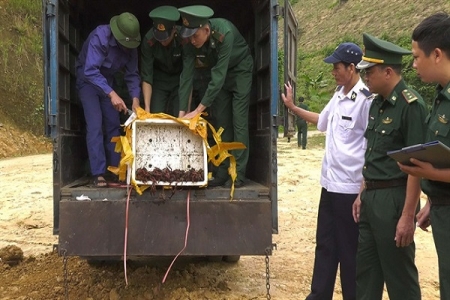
{"x":433,"y":152}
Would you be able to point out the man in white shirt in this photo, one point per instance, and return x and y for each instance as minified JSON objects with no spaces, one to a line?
{"x":344,"y":119}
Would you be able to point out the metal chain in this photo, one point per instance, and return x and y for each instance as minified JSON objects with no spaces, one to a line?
{"x":268,"y":251}
{"x":65,"y":275}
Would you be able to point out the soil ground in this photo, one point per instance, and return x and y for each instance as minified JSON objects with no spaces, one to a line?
{"x":26,"y":216}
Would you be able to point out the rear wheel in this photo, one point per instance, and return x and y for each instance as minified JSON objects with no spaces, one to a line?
{"x":97,"y":261}
{"x":231,"y":258}
{"x":214,"y":258}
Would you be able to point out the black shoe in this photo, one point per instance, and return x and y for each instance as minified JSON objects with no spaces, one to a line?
{"x":110,"y":176}
{"x":237,"y":183}
{"x":216,"y":182}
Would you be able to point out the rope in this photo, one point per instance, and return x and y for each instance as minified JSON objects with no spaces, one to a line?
{"x":129,"y":188}
{"x":185,"y":236}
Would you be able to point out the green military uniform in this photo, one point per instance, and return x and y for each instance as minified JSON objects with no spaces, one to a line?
{"x":228,"y":56}
{"x":302,"y":127}
{"x":438,"y":122}
{"x":161,"y":65}
{"x":394,"y":122}
{"x":202,"y":77}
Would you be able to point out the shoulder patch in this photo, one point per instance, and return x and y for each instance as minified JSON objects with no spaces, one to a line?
{"x":338,"y":88}
{"x":409,"y":95}
{"x":217,"y":35}
{"x":366,"y":92}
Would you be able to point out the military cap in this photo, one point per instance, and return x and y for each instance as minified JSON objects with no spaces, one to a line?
{"x":125,"y":29}
{"x":194,"y":17}
{"x":380,"y":52}
{"x":345,"y":52}
{"x":164,"y":18}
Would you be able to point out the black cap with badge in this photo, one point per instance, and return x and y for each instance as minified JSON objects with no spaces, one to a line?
{"x":345,"y":52}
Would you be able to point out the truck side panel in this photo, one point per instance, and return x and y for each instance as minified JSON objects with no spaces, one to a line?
{"x":96,"y":228}
{"x":157,"y":225}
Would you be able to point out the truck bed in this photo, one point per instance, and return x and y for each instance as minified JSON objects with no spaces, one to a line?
{"x":82,"y":186}
{"x":217,"y":226}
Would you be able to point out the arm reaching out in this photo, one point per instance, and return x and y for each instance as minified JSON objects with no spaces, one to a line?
{"x":308,"y":116}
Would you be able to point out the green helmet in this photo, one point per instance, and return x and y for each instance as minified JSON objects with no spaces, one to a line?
{"x":125,"y":28}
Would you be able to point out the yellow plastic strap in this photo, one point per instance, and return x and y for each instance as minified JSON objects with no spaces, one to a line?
{"x":122,"y":147}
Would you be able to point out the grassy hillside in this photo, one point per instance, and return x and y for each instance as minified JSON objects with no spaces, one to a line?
{"x":322,"y":26}
{"x":326,"y":23}
{"x":21,"y":65}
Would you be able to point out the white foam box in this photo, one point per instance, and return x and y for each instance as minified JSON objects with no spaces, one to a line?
{"x":160,"y":143}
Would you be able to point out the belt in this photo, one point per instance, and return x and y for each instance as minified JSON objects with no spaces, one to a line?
{"x":383,"y":184}
{"x":439,"y":201}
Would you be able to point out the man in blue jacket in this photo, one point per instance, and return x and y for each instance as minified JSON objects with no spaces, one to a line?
{"x":107,"y":50}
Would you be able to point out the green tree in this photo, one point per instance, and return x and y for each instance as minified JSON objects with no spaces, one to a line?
{"x":315,"y":91}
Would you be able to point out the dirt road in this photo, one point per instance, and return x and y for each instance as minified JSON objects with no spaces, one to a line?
{"x":26,"y":221}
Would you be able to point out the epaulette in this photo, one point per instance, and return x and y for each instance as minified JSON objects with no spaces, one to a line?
{"x":365,"y":92}
{"x":217,"y":35}
{"x":338,"y":88}
{"x":151,"y":41}
{"x":409,"y":95}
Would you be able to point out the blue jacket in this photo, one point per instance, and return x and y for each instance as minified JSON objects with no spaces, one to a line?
{"x":101,"y":57}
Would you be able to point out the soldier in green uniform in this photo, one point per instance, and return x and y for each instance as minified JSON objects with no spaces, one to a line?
{"x":302,"y":126}
{"x":161,"y":62}
{"x":217,"y":44}
{"x":389,"y":199}
{"x":431,"y":51}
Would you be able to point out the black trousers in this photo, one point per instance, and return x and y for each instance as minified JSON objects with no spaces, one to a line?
{"x":336,"y":245}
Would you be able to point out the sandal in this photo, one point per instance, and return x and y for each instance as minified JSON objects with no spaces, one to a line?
{"x":113,"y":181}
{"x":99,"y":182}
{"x":111,"y":177}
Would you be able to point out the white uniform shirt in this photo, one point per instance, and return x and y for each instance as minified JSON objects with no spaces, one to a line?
{"x":344,"y":119}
